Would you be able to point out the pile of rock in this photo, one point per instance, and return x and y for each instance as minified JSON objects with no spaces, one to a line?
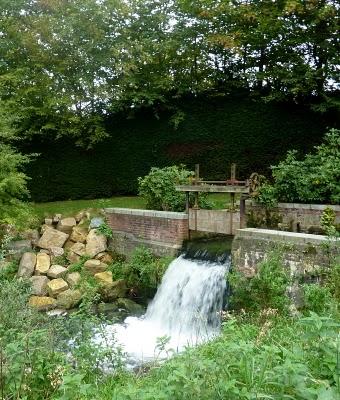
{"x":61,"y":243}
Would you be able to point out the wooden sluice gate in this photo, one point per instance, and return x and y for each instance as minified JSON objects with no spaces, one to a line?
{"x":225,"y":221}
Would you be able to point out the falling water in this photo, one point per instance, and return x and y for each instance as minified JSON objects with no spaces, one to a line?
{"x":185,"y":312}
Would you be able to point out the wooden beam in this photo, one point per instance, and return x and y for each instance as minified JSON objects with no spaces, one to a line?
{"x":213,"y":189}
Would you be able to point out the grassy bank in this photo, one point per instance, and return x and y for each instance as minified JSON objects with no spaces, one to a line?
{"x":70,"y":207}
{"x":269,"y":357}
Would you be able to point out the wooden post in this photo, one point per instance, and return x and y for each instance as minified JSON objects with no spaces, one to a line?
{"x":196,"y":206}
{"x":233,"y":172}
{"x":187,"y":203}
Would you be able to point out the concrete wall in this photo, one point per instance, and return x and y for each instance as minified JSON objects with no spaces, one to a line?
{"x":303,"y":254}
{"x":289,"y":216}
{"x":163,"y":232}
{"x":215,"y":221}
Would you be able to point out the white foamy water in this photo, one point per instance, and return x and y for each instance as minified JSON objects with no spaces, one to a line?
{"x":184,"y":312}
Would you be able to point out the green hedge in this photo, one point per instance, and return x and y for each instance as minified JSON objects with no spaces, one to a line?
{"x":214,"y":133}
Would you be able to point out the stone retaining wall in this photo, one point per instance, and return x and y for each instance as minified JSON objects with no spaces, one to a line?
{"x":162,"y":231}
{"x":289,"y":216}
{"x":303,"y":254}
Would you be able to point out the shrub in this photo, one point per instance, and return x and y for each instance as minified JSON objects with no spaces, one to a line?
{"x":105,"y":230}
{"x":266,"y":289}
{"x":312,"y":179}
{"x":158,"y":189}
{"x":43,"y":357}
{"x":317,"y":298}
{"x":13,"y":188}
{"x":143,"y":272}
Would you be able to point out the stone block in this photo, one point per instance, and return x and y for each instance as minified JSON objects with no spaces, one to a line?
{"x":26,"y":265}
{"x":73,"y":279}
{"x":52,"y":238}
{"x":42,"y":303}
{"x":95,"y":243}
{"x":39,"y":285}
{"x":79,"y":234}
{"x":78,"y":248}
{"x":66,"y":225}
{"x":95,"y":266}
{"x":56,"y":271}
{"x":104,"y":257}
{"x":43,"y":264}
{"x":69,"y":298}
{"x":56,"y":286}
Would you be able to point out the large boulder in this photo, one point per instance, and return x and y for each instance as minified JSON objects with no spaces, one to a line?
{"x":96,"y":222}
{"x":95,"y":266}
{"x":56,"y":252}
{"x":109,"y":289}
{"x":42,"y":303}
{"x":43,"y":264}
{"x":66,"y":224}
{"x":73,"y":279}
{"x":26,"y":265}
{"x":104,"y":278}
{"x":95,"y":243}
{"x":79,"y":234}
{"x":32,"y":235}
{"x":56,"y":271}
{"x":69,"y":298}
{"x":104,"y":257}
{"x":56,"y":286}
{"x":80,"y":215}
{"x":130,"y":306}
{"x":52,"y":238}
{"x":78,"y":248}
{"x":39,"y":285}
{"x":118,"y":289}
{"x":18,"y":247}
{"x":72,"y":257}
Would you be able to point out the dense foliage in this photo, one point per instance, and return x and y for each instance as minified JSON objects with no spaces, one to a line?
{"x":65,"y":65}
{"x":262,"y":352}
{"x":143,"y":272}
{"x":266,"y":289}
{"x":158,"y":189}
{"x":13,"y":187}
{"x":313,"y":179}
{"x":215,"y":133}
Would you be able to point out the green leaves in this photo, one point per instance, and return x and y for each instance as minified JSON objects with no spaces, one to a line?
{"x":314,"y":179}
{"x":158,"y":189}
{"x":65,"y":66}
{"x":143,"y":272}
{"x":13,"y":188}
{"x":266,"y":290}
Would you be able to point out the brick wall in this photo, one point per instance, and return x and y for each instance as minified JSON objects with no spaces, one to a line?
{"x":162,"y":231}
{"x":289,"y":216}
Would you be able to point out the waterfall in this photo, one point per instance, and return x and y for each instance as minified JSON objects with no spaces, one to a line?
{"x":184,"y":312}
